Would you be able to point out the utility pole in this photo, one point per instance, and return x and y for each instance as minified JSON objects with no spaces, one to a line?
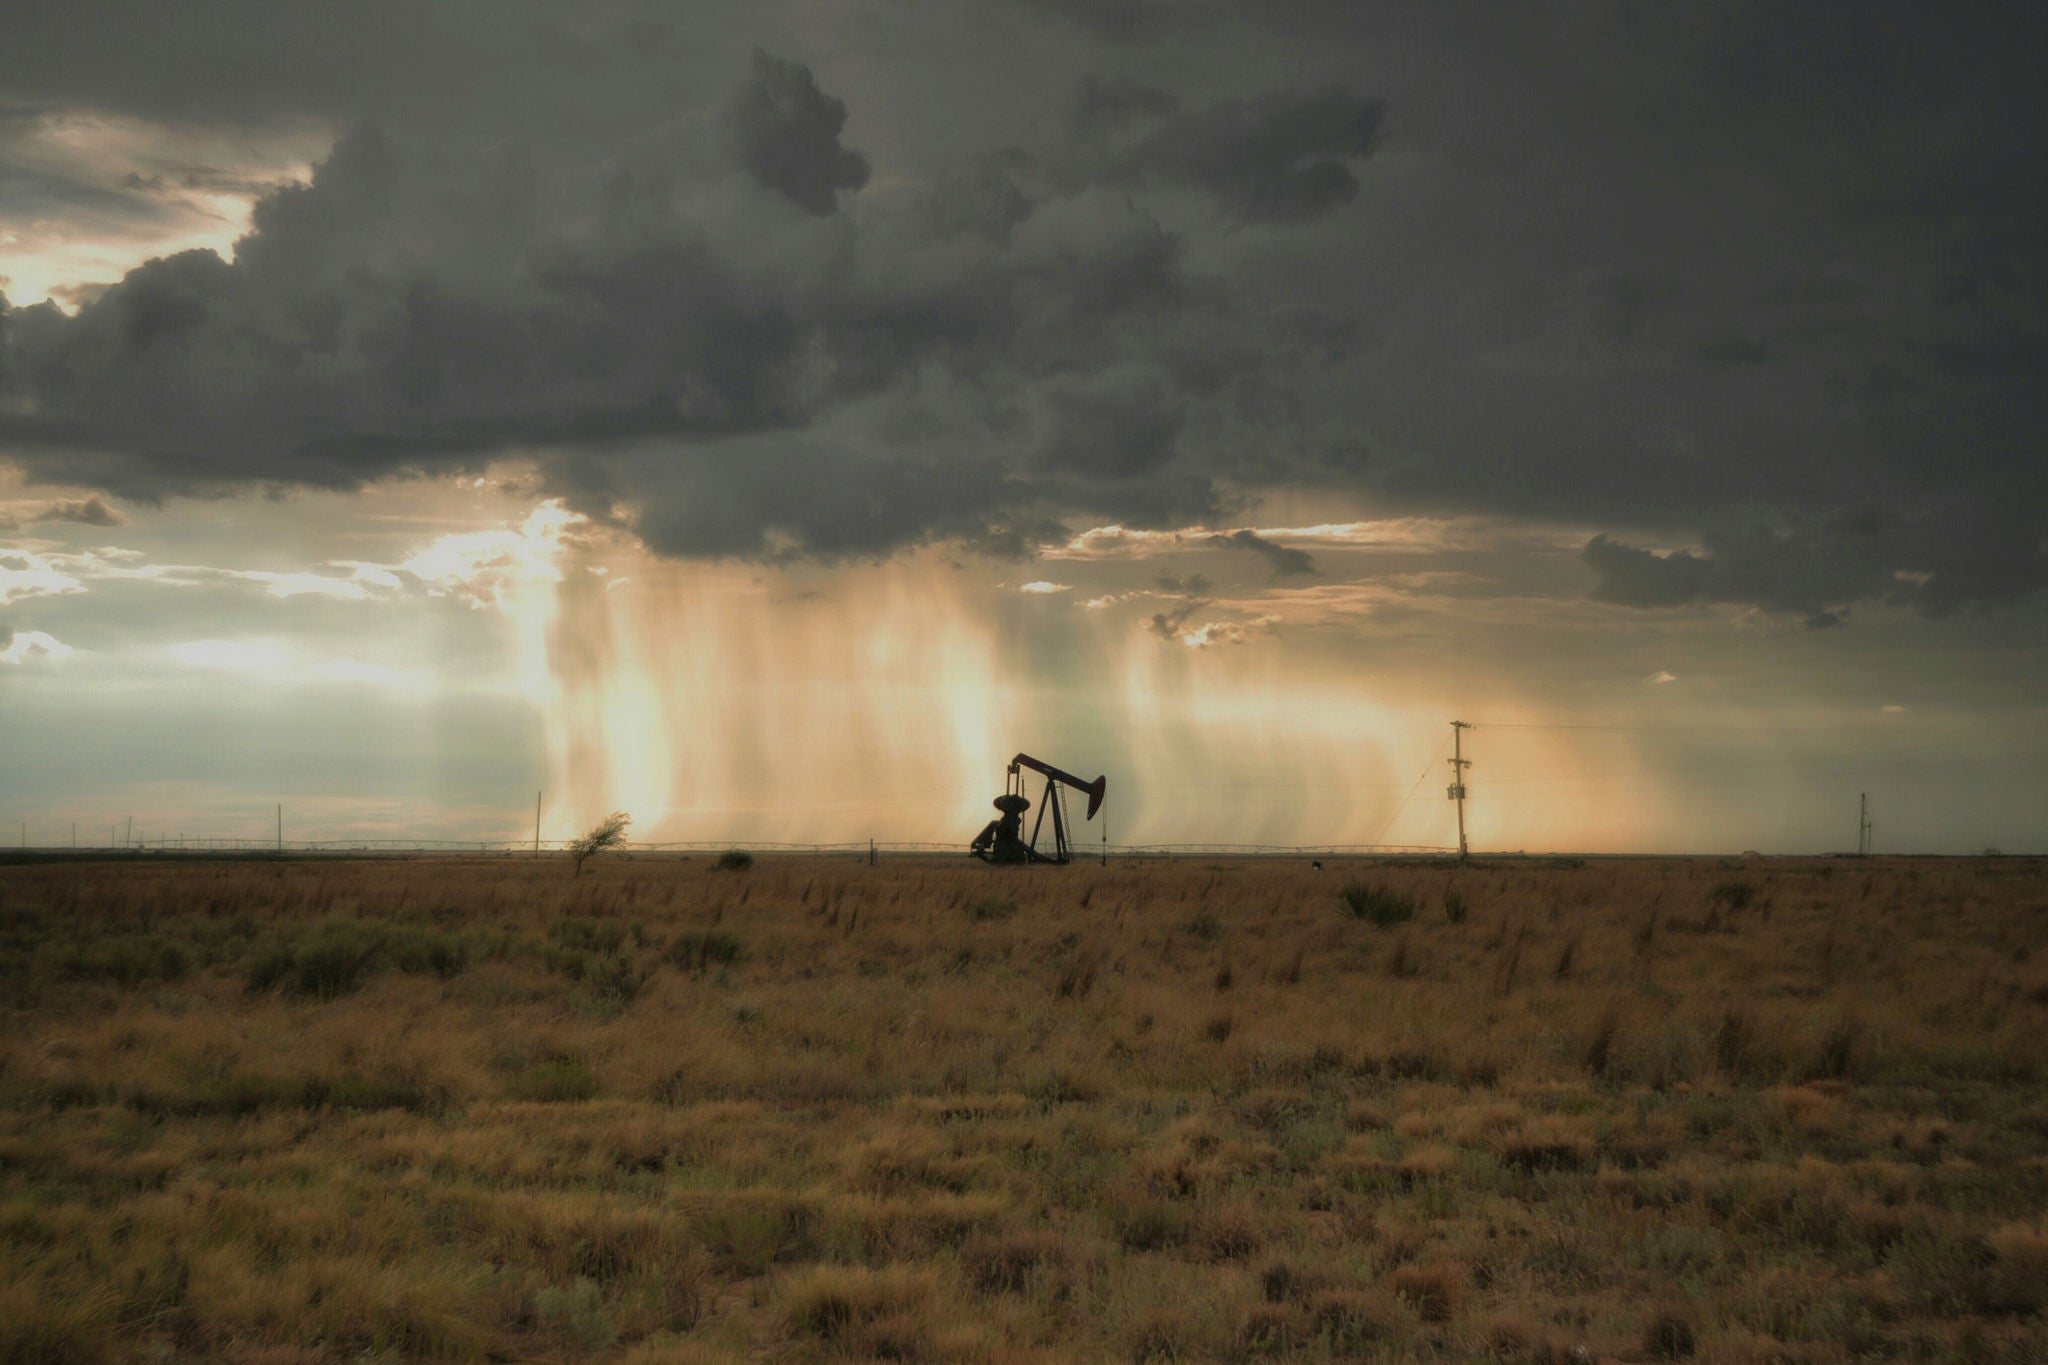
{"x":131,"y":831}
{"x":280,"y":827}
{"x":1863,"y":827}
{"x":1457,"y":788}
{"x":536,"y":824}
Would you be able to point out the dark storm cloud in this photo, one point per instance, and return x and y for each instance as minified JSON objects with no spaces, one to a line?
{"x":787,"y":131}
{"x":1287,"y":562}
{"x":1280,"y":158}
{"x":691,"y":332}
{"x":1816,"y":568}
{"x":1742,"y":276}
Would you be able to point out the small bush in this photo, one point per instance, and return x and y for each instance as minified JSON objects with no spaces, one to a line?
{"x":1455,"y":909}
{"x":1205,"y":926}
{"x":1381,"y":905}
{"x":991,"y":908}
{"x":735,"y":860}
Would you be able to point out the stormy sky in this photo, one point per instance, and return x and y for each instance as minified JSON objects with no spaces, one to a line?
{"x":769,"y":416}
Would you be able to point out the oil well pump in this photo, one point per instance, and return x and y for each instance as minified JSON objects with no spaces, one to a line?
{"x":1003,"y":841}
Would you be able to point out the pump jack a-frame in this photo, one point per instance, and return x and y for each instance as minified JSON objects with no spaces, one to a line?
{"x":1002,"y":840}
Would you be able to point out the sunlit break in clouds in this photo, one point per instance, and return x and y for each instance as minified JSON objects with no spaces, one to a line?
{"x":766,"y":422}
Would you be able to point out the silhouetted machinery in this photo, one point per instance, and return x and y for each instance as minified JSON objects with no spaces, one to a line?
{"x":1003,"y":840}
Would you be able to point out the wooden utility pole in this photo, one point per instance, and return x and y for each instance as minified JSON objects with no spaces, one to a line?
{"x":1457,"y":788}
{"x":1863,"y":826}
{"x":536,"y":824}
{"x":280,"y":827}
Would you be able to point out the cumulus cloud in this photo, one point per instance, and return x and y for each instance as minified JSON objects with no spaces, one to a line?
{"x":92,"y":511}
{"x":25,"y":646}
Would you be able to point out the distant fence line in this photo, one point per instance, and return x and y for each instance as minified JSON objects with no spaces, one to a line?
{"x":515,"y":847}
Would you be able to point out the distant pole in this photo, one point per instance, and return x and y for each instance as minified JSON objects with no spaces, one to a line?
{"x":280,"y":827}
{"x":874,"y":859}
{"x":1863,"y":826}
{"x":131,"y":831}
{"x":74,"y":834}
{"x":536,"y":824}
{"x":1457,"y":789}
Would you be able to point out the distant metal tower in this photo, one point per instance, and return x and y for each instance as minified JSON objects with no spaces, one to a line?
{"x":1457,"y":788}
{"x":1863,"y":826}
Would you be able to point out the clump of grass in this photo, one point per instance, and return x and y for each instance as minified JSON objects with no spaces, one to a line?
{"x":1205,"y":926}
{"x":1381,"y":905}
{"x":564,"y":1080}
{"x":1008,"y":1262}
{"x":735,"y":860}
{"x":1670,"y":1336}
{"x":1401,"y":963}
{"x":128,"y":960}
{"x":576,"y":1312}
{"x":1352,"y":1322}
{"x":1455,"y":909}
{"x":1433,"y":1290}
{"x":991,"y":908}
{"x":588,"y":935}
{"x":865,"y":1313}
{"x":1734,"y":895}
{"x":1151,"y":1224}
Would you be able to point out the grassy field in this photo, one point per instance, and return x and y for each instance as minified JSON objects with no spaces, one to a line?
{"x":1764,"y":1110}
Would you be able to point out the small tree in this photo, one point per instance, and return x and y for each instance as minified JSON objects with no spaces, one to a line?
{"x":609,"y":832}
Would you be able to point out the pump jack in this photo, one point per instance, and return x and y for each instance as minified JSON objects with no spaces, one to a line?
{"x":1002,"y":841}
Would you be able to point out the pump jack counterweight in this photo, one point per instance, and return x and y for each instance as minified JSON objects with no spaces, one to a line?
{"x":1002,"y":840}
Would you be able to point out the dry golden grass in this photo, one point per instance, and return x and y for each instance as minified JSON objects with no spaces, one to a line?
{"x":482,"y":1110}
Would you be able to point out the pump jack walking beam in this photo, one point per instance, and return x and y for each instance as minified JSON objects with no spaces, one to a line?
{"x":1002,"y":841}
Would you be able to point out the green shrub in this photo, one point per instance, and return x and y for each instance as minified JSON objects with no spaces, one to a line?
{"x":693,"y":952}
{"x":1381,"y":905}
{"x":422,"y":952}
{"x":991,"y":907}
{"x":588,"y":935}
{"x":334,"y":960}
{"x":1735,"y":895}
{"x":735,"y":860}
{"x":577,"y":1313}
{"x":129,"y":961}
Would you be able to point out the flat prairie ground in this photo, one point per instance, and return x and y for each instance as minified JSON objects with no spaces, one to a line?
{"x":298,"y":1111}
